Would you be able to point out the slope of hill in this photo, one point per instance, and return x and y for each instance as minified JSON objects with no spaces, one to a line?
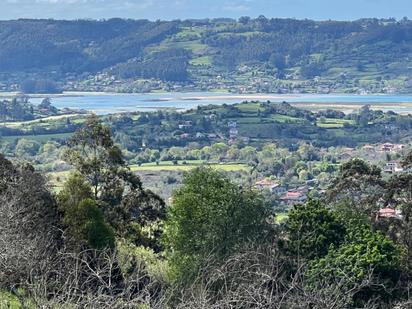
{"x":248,"y":55}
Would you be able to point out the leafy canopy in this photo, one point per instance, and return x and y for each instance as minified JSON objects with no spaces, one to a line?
{"x":313,"y":229}
{"x":212,"y":217}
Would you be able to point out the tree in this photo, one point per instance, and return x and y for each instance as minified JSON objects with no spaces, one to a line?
{"x":210,"y":217}
{"x":278,"y":61}
{"x":312,"y":229}
{"x":399,"y":194}
{"x":89,"y":226}
{"x":363,"y":252}
{"x":84,"y":221}
{"x":132,"y":211}
{"x":29,"y":224}
{"x":94,"y":154}
{"x":47,"y":104}
{"x":359,"y":184}
{"x":139,"y":217}
{"x":26,"y":147}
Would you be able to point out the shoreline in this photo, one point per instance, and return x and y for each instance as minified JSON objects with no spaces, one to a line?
{"x":196,"y":95}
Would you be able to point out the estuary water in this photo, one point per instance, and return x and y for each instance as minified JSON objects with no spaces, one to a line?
{"x":105,"y":103}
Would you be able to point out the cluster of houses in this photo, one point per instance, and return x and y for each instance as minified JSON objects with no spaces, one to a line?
{"x":287,"y":197}
{"x":348,"y":153}
{"x":297,"y":196}
{"x":391,"y":167}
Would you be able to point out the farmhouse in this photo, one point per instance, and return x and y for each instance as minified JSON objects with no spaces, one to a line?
{"x":273,"y":186}
{"x":392,"y":167}
{"x":389,"y":213}
{"x":293,"y":197}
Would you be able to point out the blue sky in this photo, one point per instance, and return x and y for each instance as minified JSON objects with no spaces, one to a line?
{"x":173,"y":9}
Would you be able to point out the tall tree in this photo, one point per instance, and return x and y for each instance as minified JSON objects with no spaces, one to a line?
{"x":210,"y":218}
{"x":360,"y":185}
{"x":94,"y":154}
{"x":127,"y":206}
{"x":84,"y":221}
{"x":312,"y":229}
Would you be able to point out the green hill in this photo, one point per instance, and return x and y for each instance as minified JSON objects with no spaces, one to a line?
{"x":252,"y":55}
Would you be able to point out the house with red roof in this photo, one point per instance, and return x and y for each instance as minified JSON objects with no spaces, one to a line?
{"x":273,"y":186}
{"x":293,"y":197}
{"x":389,"y":213}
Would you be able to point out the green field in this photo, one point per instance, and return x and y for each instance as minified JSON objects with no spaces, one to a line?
{"x":333,"y":123}
{"x":57,"y":178}
{"x":280,"y":217}
{"x":203,"y":60}
{"x":169,"y":166}
{"x":42,"y":138}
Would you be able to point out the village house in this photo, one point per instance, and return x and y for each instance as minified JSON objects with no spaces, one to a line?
{"x":232,"y":124}
{"x":246,"y":139}
{"x":185,"y":125}
{"x":387,"y":147}
{"x":232,"y":141}
{"x":273,"y":186}
{"x":392,"y":167}
{"x":293,"y":197}
{"x":233,"y":133}
{"x":390,"y":213}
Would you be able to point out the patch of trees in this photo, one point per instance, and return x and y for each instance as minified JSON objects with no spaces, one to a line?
{"x":168,"y":65}
{"x":39,"y":86}
{"x":76,"y":46}
{"x":16,"y":110}
{"x":20,"y":109}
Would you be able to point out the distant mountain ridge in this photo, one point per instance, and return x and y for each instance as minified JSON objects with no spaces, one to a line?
{"x":262,"y":55}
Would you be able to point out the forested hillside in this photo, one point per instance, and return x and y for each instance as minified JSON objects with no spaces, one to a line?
{"x":260,"y":55}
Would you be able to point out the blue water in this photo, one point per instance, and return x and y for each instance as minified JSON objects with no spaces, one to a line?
{"x":114,"y":103}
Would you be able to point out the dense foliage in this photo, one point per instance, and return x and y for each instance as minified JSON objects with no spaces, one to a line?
{"x":210,"y":218}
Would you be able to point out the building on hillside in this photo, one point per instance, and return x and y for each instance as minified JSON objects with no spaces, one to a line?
{"x":293,"y":197}
{"x":211,"y":116}
{"x":386,"y":147}
{"x":273,"y":186}
{"x":232,"y":124}
{"x":185,"y":125}
{"x":233,"y":133}
{"x":246,"y":139}
{"x":390,"y":213}
{"x":392,"y":168}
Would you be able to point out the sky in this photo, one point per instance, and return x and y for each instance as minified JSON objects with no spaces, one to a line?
{"x":183,"y":9}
